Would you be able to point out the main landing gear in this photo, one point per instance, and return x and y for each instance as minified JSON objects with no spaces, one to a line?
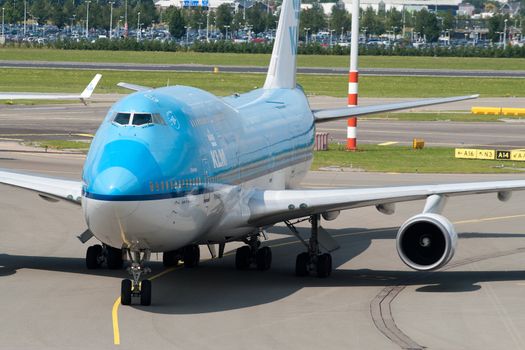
{"x":136,"y":287}
{"x":253,"y":254}
{"x":312,"y":261}
{"x":97,"y":255}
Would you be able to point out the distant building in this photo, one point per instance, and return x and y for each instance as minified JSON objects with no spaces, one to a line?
{"x":431,"y":5}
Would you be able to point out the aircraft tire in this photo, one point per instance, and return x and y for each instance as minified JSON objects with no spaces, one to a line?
{"x":92,"y":256}
{"x":125,"y":292}
{"x":145,"y":293}
{"x":192,"y":255}
{"x":301,"y":264}
{"x":324,"y":265}
{"x":171,"y":258}
{"x":263,"y":258}
{"x":114,"y":258}
{"x":242,"y":257}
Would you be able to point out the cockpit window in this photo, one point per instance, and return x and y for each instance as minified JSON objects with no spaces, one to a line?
{"x":138,"y":119}
{"x":141,"y":118}
{"x":122,"y":118}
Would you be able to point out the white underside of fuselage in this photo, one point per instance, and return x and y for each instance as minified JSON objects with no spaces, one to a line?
{"x":169,"y":224}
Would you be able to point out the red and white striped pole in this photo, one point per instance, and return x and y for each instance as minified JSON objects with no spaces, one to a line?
{"x":353,"y":77}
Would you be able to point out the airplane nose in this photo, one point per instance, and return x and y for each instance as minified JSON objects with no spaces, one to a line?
{"x":116,"y":181}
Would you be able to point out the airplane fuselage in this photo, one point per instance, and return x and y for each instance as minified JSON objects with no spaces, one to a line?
{"x":187,"y":175}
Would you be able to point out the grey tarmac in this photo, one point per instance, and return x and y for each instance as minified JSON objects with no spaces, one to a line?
{"x":464,"y":73}
{"x":70,"y":121}
{"x":50,"y":301}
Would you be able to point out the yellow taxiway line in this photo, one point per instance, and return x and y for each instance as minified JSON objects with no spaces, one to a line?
{"x":114,"y":314}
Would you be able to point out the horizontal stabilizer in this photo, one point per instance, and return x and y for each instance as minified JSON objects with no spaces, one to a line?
{"x":134,"y":87}
{"x":326,"y":115}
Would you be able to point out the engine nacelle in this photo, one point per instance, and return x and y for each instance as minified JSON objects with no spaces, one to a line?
{"x":426,"y":241}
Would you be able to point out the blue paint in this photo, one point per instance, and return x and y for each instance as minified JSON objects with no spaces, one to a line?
{"x":206,"y":140}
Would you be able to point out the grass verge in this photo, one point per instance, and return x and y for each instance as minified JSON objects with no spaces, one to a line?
{"x":229,"y":59}
{"x":401,"y":159}
{"x":61,"y":145}
{"x":222,"y":84}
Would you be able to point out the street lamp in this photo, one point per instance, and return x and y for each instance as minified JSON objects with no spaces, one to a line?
{"x":126,"y":19}
{"x":72,"y":21}
{"x":3,"y":17}
{"x":331,"y":31}
{"x":87,"y":18}
{"x":138,"y":25}
{"x":25,"y":17}
{"x":306,"y":30}
{"x":111,"y":19}
{"x":187,"y":34}
{"x":505,"y":35}
{"x":226,"y":36}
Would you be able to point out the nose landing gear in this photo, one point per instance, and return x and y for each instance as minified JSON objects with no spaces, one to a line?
{"x":136,"y":287}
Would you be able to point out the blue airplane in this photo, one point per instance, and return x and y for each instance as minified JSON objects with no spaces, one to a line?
{"x":176,"y":167}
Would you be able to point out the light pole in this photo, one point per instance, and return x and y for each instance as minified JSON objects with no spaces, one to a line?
{"x":331,"y":32}
{"x":3,"y":17}
{"x":226,"y":36}
{"x":505,"y":35}
{"x":207,"y":25}
{"x":187,"y":34}
{"x":72,"y":21}
{"x":138,"y":25}
{"x":87,"y":18}
{"x":126,"y":19}
{"x":111,"y":19}
{"x":25,"y":17}
{"x":306,"y":30}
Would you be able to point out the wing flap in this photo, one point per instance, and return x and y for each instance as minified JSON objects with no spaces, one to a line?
{"x":269,"y":207}
{"x":48,"y":188}
{"x":325,"y":115}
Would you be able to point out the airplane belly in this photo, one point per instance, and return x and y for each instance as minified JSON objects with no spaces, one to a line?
{"x":158,"y":225}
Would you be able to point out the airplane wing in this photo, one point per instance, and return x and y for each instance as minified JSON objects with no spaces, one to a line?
{"x":269,"y":207}
{"x":50,"y":189}
{"x":134,"y":87}
{"x":326,"y":115}
{"x":83,"y":96}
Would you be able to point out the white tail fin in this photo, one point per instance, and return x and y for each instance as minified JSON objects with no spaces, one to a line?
{"x":281,"y":73}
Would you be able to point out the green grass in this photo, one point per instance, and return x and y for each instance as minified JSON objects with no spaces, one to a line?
{"x":259,"y":59}
{"x":406,"y":160}
{"x":73,"y":81}
{"x":61,"y":144}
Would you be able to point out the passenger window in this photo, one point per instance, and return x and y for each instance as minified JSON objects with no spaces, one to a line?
{"x":141,"y":119}
{"x":122,"y":118}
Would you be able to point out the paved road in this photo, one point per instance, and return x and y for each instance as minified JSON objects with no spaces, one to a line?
{"x":253,"y":69}
{"x":50,"y":301}
{"x":68,"y":121}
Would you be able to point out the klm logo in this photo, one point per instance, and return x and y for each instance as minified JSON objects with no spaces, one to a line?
{"x":293,"y":39}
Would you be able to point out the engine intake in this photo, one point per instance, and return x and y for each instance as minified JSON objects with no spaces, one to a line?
{"x":426,"y":241}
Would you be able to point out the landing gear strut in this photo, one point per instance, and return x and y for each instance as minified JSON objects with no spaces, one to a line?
{"x":97,"y":255}
{"x":312,"y":261}
{"x":136,"y":287}
{"x":253,"y":254}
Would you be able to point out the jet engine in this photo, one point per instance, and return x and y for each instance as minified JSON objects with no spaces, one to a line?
{"x":426,"y":241}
